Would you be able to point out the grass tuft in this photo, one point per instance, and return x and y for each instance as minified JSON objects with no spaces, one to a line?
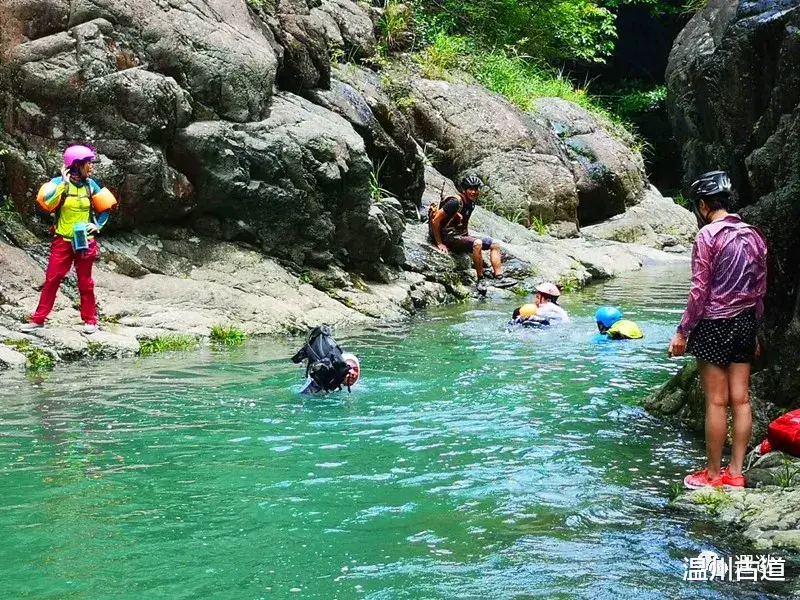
{"x":227,"y":336}
{"x":167,"y":343}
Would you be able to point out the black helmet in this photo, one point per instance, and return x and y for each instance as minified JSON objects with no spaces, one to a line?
{"x":710,"y":184}
{"x":471,"y":181}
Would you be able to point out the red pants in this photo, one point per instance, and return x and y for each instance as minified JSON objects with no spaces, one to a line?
{"x":61,"y":258}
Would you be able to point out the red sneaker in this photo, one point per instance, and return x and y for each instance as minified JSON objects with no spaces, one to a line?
{"x":729,"y":480}
{"x":700,"y":479}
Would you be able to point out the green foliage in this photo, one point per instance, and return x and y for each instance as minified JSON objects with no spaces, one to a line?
{"x":8,"y":209}
{"x":537,"y":224}
{"x":714,"y":500}
{"x":788,"y":475}
{"x":226,"y":336}
{"x":568,"y":283}
{"x":520,"y":290}
{"x":167,"y":343}
{"x":550,"y":30}
{"x":681,"y":200}
{"x":395,"y":23}
{"x":657,"y":7}
{"x":95,"y":350}
{"x":694,"y":6}
{"x":446,"y":52}
{"x":635,"y":98}
{"x":675,"y":490}
{"x":376,"y":192}
{"x":38,"y":359}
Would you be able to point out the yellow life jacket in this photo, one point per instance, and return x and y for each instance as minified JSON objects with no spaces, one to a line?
{"x":624,"y":330}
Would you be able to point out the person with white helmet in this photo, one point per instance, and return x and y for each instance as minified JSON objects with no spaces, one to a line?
{"x":327,"y":367}
{"x":81,"y":209}
{"x":544,"y":309}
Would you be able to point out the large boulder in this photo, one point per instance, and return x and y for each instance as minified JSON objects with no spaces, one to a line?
{"x":212,"y":48}
{"x":656,"y":221}
{"x":734,"y":102}
{"x":357,"y":94}
{"x":558,"y":163}
{"x":301,"y":178}
{"x":610,"y":174}
{"x":125,"y":76}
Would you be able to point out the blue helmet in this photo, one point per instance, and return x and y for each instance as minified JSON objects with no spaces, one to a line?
{"x":607,"y":315}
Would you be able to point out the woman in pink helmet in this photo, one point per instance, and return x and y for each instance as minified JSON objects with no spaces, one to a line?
{"x":81,"y":209}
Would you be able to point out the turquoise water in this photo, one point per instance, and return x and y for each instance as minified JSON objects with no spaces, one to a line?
{"x":471,"y":461}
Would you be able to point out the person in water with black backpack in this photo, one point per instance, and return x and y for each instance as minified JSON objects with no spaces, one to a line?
{"x":327,"y":367}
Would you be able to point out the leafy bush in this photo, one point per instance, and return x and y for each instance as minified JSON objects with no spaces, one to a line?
{"x":395,"y":24}
{"x":550,"y":30}
{"x":227,"y":336}
{"x":446,"y":52}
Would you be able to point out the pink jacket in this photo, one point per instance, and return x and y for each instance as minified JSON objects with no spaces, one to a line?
{"x":729,"y":272}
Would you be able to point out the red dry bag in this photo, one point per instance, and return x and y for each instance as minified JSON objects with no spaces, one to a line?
{"x":784,"y":434}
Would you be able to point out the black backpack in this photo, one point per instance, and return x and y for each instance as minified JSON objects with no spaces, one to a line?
{"x":325,"y":364}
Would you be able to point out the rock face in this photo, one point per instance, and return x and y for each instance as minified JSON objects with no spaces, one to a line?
{"x":610,"y":177}
{"x":655,"y":221}
{"x":734,"y":101}
{"x":358,"y":95}
{"x":767,"y":519}
{"x":558,"y":163}
{"x":300,"y":177}
{"x":178,"y":102}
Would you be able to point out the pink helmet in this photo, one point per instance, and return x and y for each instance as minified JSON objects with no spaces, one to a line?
{"x":548,"y":289}
{"x":77,"y":153}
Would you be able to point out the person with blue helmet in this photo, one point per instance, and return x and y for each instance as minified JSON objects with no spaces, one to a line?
{"x":613,"y":326}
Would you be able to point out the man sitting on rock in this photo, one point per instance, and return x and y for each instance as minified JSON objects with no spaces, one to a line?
{"x":449,"y":229}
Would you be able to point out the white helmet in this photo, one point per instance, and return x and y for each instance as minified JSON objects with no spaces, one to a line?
{"x":355,"y":368}
{"x":548,"y":289}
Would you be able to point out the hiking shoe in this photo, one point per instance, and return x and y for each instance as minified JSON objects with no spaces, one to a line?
{"x":89,"y":328}
{"x":504,"y":282}
{"x":481,"y":286}
{"x":700,"y":479}
{"x":31,"y":326}
{"x":728,"y":480}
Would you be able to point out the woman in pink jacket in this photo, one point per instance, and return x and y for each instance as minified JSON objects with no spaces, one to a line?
{"x":726,"y":304}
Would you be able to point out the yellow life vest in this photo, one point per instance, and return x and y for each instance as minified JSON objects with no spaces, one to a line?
{"x":624,"y":330}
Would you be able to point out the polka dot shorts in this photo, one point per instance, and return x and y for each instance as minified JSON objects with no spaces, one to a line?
{"x":725,"y":341}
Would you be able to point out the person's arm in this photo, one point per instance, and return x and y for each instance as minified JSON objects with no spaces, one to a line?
{"x":448,"y":210}
{"x":701,"y":286}
{"x":54,"y":191}
{"x":761,"y":285}
{"x":99,"y":219}
{"x":698,"y":294}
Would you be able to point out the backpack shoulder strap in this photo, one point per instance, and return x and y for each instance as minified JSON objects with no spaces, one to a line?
{"x":444,"y":200}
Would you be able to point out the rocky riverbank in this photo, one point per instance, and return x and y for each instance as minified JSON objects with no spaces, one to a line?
{"x":265,"y":186}
{"x":177,"y":282}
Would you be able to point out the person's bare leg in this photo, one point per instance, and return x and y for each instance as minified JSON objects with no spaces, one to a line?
{"x":477,"y":257}
{"x":494,"y":256}
{"x":715,"y":386}
{"x":739,"y":395}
